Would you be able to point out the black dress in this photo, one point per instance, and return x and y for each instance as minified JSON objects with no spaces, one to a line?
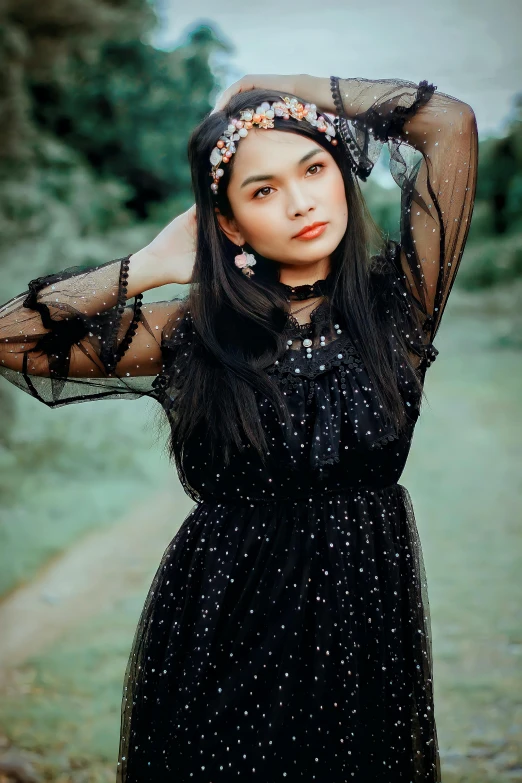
{"x":286,"y":634}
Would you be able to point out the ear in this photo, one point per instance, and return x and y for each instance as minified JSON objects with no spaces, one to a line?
{"x":229,"y":228}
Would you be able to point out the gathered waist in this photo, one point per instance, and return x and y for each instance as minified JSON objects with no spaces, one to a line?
{"x":308,"y":497}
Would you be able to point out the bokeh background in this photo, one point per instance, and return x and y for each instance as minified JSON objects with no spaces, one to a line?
{"x":97,"y":99}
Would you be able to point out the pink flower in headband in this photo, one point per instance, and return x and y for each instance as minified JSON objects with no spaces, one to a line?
{"x":263,"y":117}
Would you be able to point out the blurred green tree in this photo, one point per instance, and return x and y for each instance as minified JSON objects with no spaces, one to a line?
{"x":500,"y":175}
{"x":130,"y":113}
{"x":37,"y":43}
{"x":94,"y":115}
{"x":493,"y":255}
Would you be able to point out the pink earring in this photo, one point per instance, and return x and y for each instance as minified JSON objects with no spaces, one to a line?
{"x":245,"y":261}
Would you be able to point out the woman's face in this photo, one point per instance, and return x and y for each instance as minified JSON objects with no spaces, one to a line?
{"x":280,"y":183}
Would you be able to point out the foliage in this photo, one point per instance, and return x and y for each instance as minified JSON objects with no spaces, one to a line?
{"x":95,"y":119}
{"x":130,"y":114}
{"x":500,"y":175}
{"x":492,"y":261}
{"x":493,"y":255}
{"x":39,"y":40}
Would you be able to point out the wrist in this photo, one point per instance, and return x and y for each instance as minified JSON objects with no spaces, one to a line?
{"x":316,"y":89}
{"x":145,"y":272}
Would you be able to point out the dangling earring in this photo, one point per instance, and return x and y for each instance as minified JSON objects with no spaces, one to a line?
{"x":245,"y":261}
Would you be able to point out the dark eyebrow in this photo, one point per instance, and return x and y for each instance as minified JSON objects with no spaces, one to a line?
{"x":262,"y":177}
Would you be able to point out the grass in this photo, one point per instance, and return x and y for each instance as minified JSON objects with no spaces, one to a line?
{"x":65,"y":704}
{"x":464,"y":477}
{"x":72,"y":470}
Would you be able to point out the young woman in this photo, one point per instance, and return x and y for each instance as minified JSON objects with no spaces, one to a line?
{"x":286,"y":635}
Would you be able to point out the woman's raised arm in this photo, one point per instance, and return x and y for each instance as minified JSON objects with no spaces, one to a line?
{"x":83,"y":333}
{"x":433,"y":145}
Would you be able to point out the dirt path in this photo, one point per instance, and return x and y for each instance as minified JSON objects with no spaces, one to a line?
{"x":98,"y":571}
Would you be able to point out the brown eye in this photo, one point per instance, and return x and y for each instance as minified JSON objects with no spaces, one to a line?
{"x":318,"y":166}
{"x":267,"y":187}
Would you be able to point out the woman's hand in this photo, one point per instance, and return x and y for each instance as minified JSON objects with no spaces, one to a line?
{"x":270,"y":81}
{"x":314,"y":89}
{"x":174,"y":248}
{"x":170,"y":257}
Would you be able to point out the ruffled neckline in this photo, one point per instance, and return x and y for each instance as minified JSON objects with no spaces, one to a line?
{"x":308,"y":290}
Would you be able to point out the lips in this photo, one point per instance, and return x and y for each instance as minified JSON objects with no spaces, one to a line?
{"x":312,"y":226}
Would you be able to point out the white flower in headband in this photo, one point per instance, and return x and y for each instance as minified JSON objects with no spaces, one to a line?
{"x":263,"y":117}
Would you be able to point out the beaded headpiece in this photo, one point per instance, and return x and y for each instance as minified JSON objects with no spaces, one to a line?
{"x":263,"y":117}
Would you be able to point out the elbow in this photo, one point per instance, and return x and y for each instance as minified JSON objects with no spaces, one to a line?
{"x":466,"y":120}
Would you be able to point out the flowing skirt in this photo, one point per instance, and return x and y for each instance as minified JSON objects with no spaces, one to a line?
{"x":285,"y":641}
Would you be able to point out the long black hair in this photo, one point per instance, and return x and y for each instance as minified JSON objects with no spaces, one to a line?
{"x":238,"y":321}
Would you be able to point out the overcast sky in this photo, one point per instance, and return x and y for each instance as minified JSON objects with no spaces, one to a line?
{"x":469,"y":48}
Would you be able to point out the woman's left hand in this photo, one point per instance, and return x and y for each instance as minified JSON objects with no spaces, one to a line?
{"x":291,"y":84}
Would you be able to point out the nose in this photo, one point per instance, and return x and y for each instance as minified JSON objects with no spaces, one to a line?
{"x":300,"y":201}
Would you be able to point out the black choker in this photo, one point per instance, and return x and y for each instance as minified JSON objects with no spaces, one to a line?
{"x":309,"y":290}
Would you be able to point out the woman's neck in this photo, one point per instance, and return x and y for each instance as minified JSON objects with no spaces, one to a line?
{"x":306,"y":274}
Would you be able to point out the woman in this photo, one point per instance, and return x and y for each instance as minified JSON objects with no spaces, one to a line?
{"x":286,"y":635}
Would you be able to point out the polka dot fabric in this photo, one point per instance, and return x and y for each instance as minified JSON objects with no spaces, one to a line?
{"x":285,"y":640}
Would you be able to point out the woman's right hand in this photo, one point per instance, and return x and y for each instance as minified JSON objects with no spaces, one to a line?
{"x":170,"y":257}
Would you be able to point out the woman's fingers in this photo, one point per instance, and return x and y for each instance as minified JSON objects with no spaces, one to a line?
{"x":224,"y":97}
{"x":267,"y":81}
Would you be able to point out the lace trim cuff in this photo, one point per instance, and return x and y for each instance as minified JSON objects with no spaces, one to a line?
{"x":65,"y":332}
{"x":382,"y":125}
{"x":362,"y":170}
{"x":112,"y":353}
{"x":393,"y":127}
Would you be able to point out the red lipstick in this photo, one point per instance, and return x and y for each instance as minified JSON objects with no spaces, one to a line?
{"x":311,"y":231}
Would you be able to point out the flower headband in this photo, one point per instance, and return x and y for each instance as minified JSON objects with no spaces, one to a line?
{"x":263,"y":116}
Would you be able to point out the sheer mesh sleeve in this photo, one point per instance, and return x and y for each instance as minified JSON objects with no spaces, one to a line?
{"x":74,"y":336}
{"x":433,"y":145}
